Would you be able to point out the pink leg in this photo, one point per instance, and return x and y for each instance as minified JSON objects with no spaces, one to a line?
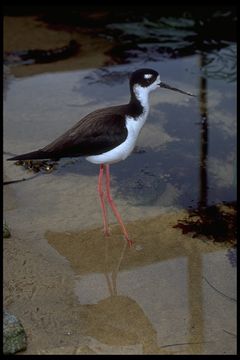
{"x":114,"y":208}
{"x":101,"y":196}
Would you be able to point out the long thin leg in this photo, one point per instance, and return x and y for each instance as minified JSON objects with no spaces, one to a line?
{"x":114,"y":208}
{"x":101,"y":196}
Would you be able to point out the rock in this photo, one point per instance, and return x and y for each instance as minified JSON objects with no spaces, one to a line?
{"x":14,"y":336}
{"x":6,"y":232}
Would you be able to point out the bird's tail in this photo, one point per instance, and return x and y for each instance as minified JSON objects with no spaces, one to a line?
{"x":34,"y":155}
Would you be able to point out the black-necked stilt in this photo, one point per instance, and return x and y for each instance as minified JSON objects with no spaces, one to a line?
{"x":106,"y":136}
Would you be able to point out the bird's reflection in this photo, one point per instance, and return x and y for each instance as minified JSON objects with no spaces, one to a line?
{"x":112,"y":278}
{"x":123,"y":292}
{"x":118,"y":320}
{"x":115,"y":320}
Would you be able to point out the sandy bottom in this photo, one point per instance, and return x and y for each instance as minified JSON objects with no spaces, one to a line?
{"x":79,"y":292}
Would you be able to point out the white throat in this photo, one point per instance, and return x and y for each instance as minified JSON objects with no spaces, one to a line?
{"x":142,"y":92}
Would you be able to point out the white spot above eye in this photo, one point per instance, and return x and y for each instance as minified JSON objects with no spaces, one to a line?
{"x":147,"y":76}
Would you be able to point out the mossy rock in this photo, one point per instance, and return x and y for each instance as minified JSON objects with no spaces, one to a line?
{"x":6,"y":232}
{"x":14,"y":336}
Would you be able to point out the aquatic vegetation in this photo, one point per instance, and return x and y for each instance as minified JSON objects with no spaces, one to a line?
{"x":217,"y":222}
{"x":37,"y":165}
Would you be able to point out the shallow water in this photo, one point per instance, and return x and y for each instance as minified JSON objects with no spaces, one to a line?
{"x":170,"y":293}
{"x":168,"y":153}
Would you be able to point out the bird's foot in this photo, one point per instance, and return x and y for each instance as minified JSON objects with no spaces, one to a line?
{"x":106,"y":232}
{"x":130,"y":242}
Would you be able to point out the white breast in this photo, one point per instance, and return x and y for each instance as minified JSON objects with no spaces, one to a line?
{"x":123,"y":150}
{"x":134,"y":127}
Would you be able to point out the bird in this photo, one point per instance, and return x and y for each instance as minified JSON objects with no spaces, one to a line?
{"x":106,"y":136}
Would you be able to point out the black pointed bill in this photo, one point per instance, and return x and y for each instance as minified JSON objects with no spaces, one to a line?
{"x":166,"y":86}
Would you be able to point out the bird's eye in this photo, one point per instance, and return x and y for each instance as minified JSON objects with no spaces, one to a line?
{"x":147,"y":76}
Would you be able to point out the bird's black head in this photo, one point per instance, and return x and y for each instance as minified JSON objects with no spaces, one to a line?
{"x":144,"y":77}
{"x":143,"y":81}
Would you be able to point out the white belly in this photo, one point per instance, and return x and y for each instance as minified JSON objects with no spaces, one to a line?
{"x":123,"y":150}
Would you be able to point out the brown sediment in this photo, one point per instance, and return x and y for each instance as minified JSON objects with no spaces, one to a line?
{"x":26,"y":33}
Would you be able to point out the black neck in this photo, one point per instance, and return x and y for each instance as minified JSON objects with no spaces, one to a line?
{"x":134,"y":105}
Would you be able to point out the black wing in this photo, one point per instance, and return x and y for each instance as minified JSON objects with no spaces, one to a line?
{"x":96,"y":133}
